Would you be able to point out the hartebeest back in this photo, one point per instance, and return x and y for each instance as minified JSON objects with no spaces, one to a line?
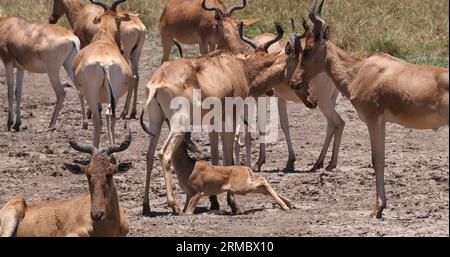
{"x":102,"y":74}
{"x":95,"y":214}
{"x":382,"y":89}
{"x":133,"y":34}
{"x":37,"y":48}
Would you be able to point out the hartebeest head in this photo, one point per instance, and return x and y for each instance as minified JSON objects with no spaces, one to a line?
{"x":99,"y":171}
{"x":313,"y":60}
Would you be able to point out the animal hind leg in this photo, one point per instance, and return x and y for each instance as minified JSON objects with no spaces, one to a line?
{"x":60,"y":95}
{"x":231,"y":200}
{"x":9,"y":67}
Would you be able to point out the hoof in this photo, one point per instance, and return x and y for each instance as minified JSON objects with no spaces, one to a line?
{"x":9,"y":125}
{"x":16,"y":127}
{"x":316,"y":167}
{"x":176,"y":211}
{"x":51,"y":129}
{"x":214,"y":207}
{"x":330,"y":167}
{"x":123,"y":116}
{"x":85,"y":126}
{"x":290,"y":166}
{"x":133,"y":116}
{"x":377,"y":213}
{"x":146,"y":210}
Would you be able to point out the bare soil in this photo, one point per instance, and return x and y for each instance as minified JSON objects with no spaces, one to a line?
{"x":334,"y":203}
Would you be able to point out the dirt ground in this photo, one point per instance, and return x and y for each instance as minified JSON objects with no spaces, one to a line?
{"x":334,"y":203}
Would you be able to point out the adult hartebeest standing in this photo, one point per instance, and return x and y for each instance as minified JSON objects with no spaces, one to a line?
{"x":382,"y":89}
{"x":190,"y":22}
{"x":220,"y":74}
{"x":37,"y":48}
{"x":102,"y":74}
{"x":95,"y":214}
{"x":133,"y":34}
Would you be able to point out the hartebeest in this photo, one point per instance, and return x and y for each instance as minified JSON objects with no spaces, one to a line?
{"x":37,"y":48}
{"x":102,"y":74}
{"x":198,"y":179}
{"x":190,"y":22}
{"x":220,"y":74}
{"x":382,"y":89}
{"x":96,"y":213}
{"x":132,"y":35}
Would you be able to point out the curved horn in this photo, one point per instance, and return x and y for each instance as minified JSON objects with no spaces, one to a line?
{"x":211,"y":9}
{"x":116,"y":4}
{"x":315,"y":16}
{"x":232,"y":9}
{"x":280,"y":34}
{"x":245,"y":39}
{"x":104,"y":6}
{"x":122,"y":147}
{"x":82,"y":148}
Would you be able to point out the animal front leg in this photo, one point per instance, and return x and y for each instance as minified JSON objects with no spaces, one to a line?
{"x":193,"y":203}
{"x":262,"y":186}
{"x":9,"y":67}
{"x":19,"y":83}
{"x":233,"y":204}
{"x":284,"y":122}
{"x":214,"y":142}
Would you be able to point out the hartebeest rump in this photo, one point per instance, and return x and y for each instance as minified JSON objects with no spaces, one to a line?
{"x":95,"y":214}
{"x":37,"y":48}
{"x":133,"y":33}
{"x":192,"y":22}
{"x":220,"y":74}
{"x":102,"y":74}
{"x":382,"y":89}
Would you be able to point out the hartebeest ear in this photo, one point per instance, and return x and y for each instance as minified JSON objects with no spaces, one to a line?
{"x":219,"y":17}
{"x":325,"y":33}
{"x":249,"y":22}
{"x":76,"y":169}
{"x":97,"y":20}
{"x":123,"y":167}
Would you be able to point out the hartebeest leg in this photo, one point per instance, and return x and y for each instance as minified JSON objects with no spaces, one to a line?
{"x":193,"y":203}
{"x":166,"y":153}
{"x":262,"y":186}
{"x":284,"y":122}
{"x":9,"y":67}
{"x":135,"y":59}
{"x":329,"y":136}
{"x":377,"y":131}
{"x":214,"y":141}
{"x":97,"y":120}
{"x":167,"y":42}
{"x":60,"y":94}
{"x":69,"y":70}
{"x":262,"y":154}
{"x":231,"y":200}
{"x":156,"y":121}
{"x":19,"y":84}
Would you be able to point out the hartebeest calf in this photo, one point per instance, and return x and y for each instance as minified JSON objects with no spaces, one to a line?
{"x":220,"y":74}
{"x":37,"y":48}
{"x":191,"y":22}
{"x":96,"y":213}
{"x":102,"y":74}
{"x":198,"y":179}
{"x":381,"y":88}
{"x":133,"y":33}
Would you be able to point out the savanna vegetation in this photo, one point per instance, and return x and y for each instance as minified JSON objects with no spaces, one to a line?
{"x":415,"y":30}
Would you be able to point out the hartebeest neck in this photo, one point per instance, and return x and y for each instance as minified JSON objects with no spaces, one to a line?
{"x":234,"y":43}
{"x":264,"y":72}
{"x":72,"y":9}
{"x":183,"y":164}
{"x":342,"y":67}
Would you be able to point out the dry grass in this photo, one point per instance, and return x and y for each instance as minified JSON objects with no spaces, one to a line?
{"x":416,"y":30}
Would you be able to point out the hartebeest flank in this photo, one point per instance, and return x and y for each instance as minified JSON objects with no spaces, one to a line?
{"x":220,"y":74}
{"x":94,"y":214}
{"x":133,"y":33}
{"x":102,"y":74}
{"x":190,"y":22}
{"x":37,"y":48}
{"x":381,"y":88}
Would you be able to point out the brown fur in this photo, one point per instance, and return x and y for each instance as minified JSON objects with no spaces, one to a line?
{"x":71,"y":217}
{"x":382,"y":89}
{"x":37,"y":48}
